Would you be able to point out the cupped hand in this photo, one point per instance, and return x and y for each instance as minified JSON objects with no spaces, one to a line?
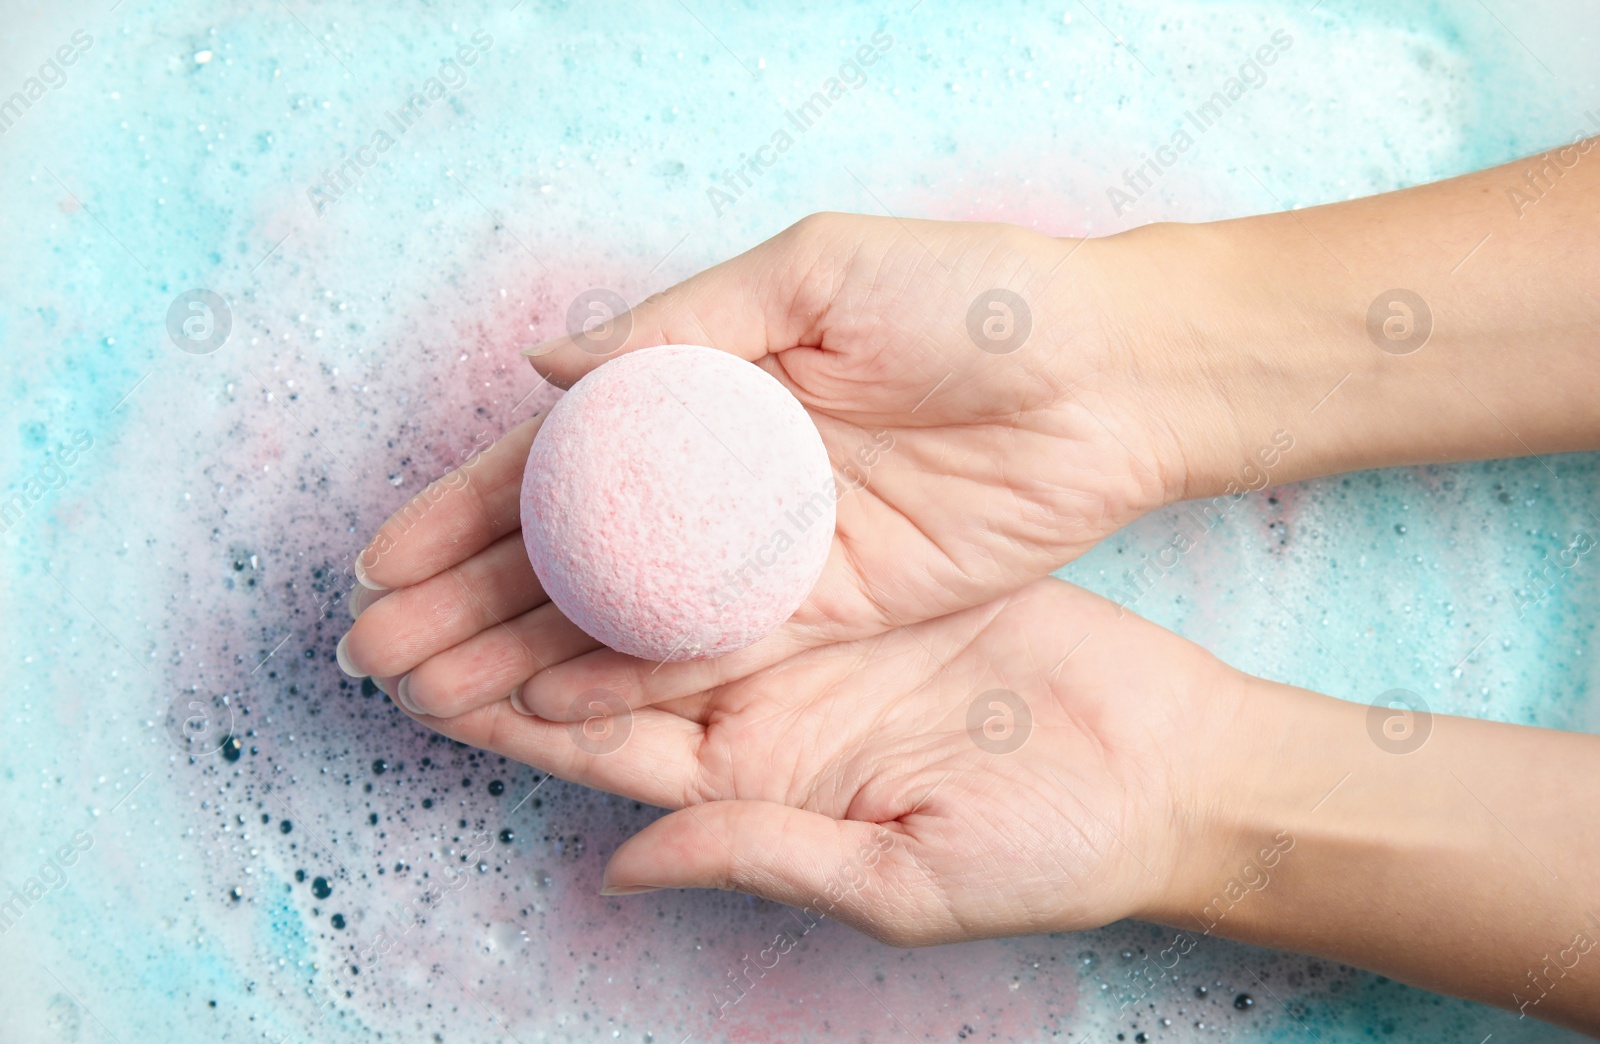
{"x":1022,"y":766}
{"x":986,"y":412}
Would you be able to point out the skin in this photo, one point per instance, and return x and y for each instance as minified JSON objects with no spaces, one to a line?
{"x":1051,"y":446}
{"x":1151,"y":781}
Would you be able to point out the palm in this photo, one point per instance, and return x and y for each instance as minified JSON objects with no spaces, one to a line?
{"x":818,"y":753}
{"x":964,"y":473}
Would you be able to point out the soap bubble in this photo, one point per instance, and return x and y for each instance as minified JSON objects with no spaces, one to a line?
{"x":999,"y":721}
{"x":599,"y":321}
{"x":1399,"y":321}
{"x":199,"y":321}
{"x":1399,"y":722}
{"x":999,"y":321}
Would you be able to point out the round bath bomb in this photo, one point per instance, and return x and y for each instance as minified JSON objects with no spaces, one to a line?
{"x":678,"y":503}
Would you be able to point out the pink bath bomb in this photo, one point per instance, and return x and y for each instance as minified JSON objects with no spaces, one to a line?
{"x":678,"y":503}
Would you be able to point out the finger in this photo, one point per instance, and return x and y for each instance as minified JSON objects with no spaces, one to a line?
{"x":765,"y":300}
{"x":454,"y":518}
{"x":650,"y":756}
{"x":404,"y":628}
{"x":640,"y":683}
{"x":789,"y":855}
{"x":832,"y":612}
{"x":490,"y":665}
{"x":363,"y":598}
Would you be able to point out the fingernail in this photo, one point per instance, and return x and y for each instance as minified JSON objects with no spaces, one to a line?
{"x":629,"y":889}
{"x":515,"y":698}
{"x":402,"y":694}
{"x":342,"y":654}
{"x":356,"y":602}
{"x":361,"y":574}
{"x":534,"y":351}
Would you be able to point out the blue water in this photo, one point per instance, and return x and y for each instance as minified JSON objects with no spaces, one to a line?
{"x":185,"y":519}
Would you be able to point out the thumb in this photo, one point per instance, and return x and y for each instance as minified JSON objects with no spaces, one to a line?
{"x":747,"y":305}
{"x":830,"y":867}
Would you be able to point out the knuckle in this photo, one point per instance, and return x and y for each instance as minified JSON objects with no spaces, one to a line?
{"x":451,"y":684}
{"x":498,"y":665}
{"x":815,"y":228}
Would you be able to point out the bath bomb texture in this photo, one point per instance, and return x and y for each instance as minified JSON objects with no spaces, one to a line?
{"x":678,"y":503}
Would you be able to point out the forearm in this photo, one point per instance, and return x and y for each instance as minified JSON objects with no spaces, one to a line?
{"x":1268,"y":318}
{"x":1466,"y":863}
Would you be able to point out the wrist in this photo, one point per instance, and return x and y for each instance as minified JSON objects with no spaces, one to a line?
{"x":1234,"y":352}
{"x":1246,"y":782}
{"x":1434,"y":849}
{"x":1360,"y":330}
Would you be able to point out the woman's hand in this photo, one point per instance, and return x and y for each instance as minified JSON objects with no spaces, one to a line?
{"x":1024,"y":766}
{"x":1049,"y":763}
{"x":989,"y":412}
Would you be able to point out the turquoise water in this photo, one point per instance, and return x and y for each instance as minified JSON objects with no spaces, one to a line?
{"x":185,"y":519}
